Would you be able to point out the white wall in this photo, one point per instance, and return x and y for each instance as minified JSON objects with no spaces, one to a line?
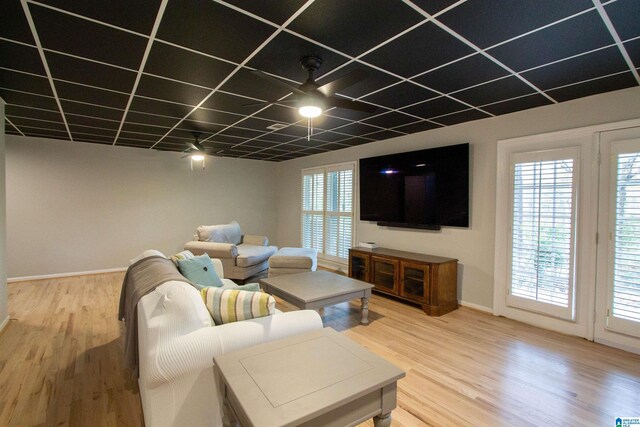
{"x":75,"y":207}
{"x":473,"y":247}
{"x":4,"y":311}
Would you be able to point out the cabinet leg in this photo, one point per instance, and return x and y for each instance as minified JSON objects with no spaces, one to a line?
{"x":365,"y":311}
{"x":382,"y":420}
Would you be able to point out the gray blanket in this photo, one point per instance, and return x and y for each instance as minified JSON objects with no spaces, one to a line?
{"x":141,"y":278}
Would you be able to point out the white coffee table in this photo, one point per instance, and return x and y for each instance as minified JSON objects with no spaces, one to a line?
{"x":315,"y":289}
{"x":320,"y":378}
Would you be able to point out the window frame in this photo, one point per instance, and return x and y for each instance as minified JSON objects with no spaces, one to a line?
{"x":325,"y":170}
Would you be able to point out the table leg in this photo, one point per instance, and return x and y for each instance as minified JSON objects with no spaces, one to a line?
{"x":365,"y":310}
{"x":382,"y":420}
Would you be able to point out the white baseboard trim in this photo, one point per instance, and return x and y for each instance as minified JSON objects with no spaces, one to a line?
{"x":4,"y":323}
{"x":614,"y":344}
{"x":56,"y":276}
{"x":477,"y":307}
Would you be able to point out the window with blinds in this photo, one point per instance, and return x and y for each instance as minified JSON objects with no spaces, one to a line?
{"x":625,"y":302}
{"x":542,"y":234}
{"x":327,"y":210}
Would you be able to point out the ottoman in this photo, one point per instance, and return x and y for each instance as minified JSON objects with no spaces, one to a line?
{"x":292,"y":261}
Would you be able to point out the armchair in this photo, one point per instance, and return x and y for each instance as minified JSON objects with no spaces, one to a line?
{"x":242,"y":256}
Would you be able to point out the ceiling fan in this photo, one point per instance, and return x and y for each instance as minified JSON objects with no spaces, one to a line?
{"x":312,"y":99}
{"x":195,"y":149}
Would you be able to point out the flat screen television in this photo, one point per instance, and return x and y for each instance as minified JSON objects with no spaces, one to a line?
{"x":417,"y":189}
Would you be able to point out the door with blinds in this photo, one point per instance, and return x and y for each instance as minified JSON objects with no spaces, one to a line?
{"x":617,"y":304}
{"x":544,"y":262}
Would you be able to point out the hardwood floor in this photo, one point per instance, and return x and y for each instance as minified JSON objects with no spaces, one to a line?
{"x":61,"y":363}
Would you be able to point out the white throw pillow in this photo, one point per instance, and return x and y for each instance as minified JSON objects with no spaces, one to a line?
{"x":224,"y":233}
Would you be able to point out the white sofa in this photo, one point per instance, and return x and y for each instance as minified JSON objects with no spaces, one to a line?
{"x":177,"y":341}
{"x":242,"y":256}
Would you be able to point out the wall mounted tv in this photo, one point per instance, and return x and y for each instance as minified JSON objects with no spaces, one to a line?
{"x":419,"y":189}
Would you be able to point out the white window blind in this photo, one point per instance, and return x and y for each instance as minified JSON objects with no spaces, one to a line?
{"x":626,"y":276}
{"x":542,"y":235}
{"x":327,"y":210}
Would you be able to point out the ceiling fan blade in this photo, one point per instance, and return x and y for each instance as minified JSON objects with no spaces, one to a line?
{"x":334,"y":101}
{"x":263,"y":104}
{"x":343,"y":82}
{"x":192,"y":146}
{"x":277,"y":82}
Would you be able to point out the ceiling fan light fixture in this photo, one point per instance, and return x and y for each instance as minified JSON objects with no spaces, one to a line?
{"x":197,"y":157}
{"x":310,"y":111}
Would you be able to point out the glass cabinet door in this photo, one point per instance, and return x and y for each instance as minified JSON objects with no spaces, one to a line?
{"x":359,"y":267}
{"x":384,"y":274}
{"x":414,"y":282}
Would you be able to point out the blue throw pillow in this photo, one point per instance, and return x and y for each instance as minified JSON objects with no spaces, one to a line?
{"x":200,"y":271}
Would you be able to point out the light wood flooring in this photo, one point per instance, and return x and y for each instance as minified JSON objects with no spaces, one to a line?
{"x":61,"y":363}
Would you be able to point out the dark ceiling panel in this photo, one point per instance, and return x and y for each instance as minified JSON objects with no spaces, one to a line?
{"x":73,"y":92}
{"x":21,"y":122}
{"x":585,"y":67}
{"x":212,"y":28}
{"x":606,"y":84}
{"x":497,"y":90}
{"x":91,"y":110}
{"x":390,"y":120}
{"x":89,"y":73}
{"x":580,"y":34}
{"x":461,"y":117}
{"x":518,"y":104}
{"x":34,"y":113}
{"x":465,"y":73}
{"x":487,"y":22}
{"x":428,"y":46}
{"x":355,"y":26}
{"x":434,"y":6}
{"x":160,"y":108}
{"x":436,"y":107}
{"x":276,"y":12}
{"x":29,"y":100}
{"x":169,"y":90}
{"x":13,"y":23}
{"x":200,"y":43}
{"x":624,"y":15}
{"x":417,"y":127}
{"x":245,"y":83}
{"x":21,"y":58}
{"x":400,"y":95}
{"x":25,"y":82}
{"x":86,"y":39}
{"x":137,"y":16}
{"x":179,"y":64}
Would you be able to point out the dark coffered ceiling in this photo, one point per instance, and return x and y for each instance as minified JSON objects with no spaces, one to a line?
{"x":145,"y":73}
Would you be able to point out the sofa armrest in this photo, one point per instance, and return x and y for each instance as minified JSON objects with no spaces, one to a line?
{"x":251,"y":239}
{"x":194,"y":351}
{"x":214,"y":250}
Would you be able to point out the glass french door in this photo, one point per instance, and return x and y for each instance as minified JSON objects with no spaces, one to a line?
{"x":618,"y":280}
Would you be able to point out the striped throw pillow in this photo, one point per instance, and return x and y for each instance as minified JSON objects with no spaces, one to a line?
{"x":232,"y":305}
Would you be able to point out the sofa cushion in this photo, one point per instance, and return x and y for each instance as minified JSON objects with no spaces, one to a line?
{"x":181,"y":255}
{"x":200,"y":271}
{"x":249,"y":255}
{"x":223,"y":233}
{"x":232,"y":305}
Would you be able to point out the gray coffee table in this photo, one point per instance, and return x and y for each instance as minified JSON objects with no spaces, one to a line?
{"x":320,"y":378}
{"x":315,"y":289}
